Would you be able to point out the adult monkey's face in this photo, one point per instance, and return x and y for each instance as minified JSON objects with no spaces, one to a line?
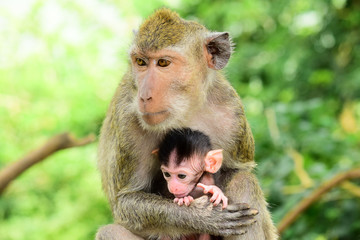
{"x":170,"y":61}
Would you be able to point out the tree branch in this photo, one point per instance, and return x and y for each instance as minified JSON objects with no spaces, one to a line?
{"x":56,"y":143}
{"x":291,"y":216}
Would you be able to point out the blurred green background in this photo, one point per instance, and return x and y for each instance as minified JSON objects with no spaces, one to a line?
{"x":296,"y":66}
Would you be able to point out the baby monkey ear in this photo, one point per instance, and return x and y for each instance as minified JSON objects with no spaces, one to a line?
{"x":213,"y":160}
{"x":155,"y":152}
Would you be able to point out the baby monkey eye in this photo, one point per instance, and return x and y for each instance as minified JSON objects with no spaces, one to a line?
{"x":140,"y":62}
{"x":163,"y":62}
{"x":166,"y":174}
{"x":182,"y":176}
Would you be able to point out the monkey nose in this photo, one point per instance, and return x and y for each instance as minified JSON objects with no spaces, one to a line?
{"x":145,"y":99}
{"x":173,"y":190}
{"x":177,"y":192}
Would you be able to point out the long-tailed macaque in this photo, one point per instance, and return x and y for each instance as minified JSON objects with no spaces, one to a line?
{"x":188,"y":164}
{"x":174,"y":82}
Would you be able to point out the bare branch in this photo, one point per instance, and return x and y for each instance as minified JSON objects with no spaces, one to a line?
{"x":58,"y":142}
{"x":291,"y":216}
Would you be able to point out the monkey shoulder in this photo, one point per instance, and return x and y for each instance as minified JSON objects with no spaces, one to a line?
{"x":230,"y":128}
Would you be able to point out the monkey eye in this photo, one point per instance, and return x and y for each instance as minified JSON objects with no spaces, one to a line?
{"x":166,"y":174}
{"x":140,"y":62}
{"x":163,"y":62}
{"x":182,"y":176}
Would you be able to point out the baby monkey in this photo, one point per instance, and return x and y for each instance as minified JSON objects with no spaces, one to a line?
{"x":188,"y":164}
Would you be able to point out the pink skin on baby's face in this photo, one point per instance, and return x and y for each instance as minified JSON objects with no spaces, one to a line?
{"x":181,"y":179}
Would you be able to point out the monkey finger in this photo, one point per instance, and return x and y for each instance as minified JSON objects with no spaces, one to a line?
{"x":244,"y":217}
{"x":228,"y":232}
{"x":188,"y":200}
{"x":225,"y":202}
{"x":247,"y":221}
{"x":181,"y":201}
{"x":217,"y":201}
{"x":245,"y":213}
{"x":214,"y":196}
{"x":203,"y":186}
{"x":240,"y":223}
{"x":238,"y":207}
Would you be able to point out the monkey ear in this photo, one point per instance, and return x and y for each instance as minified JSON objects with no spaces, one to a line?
{"x":155,"y":152}
{"x":213,"y":160}
{"x":219,"y":49}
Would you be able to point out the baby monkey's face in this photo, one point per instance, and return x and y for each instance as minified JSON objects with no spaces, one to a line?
{"x":182,"y":178}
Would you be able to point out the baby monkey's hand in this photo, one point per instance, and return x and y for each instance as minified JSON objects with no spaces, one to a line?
{"x":217,"y":195}
{"x":184,"y":200}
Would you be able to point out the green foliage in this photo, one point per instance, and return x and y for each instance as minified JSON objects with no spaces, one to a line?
{"x":295,"y":66}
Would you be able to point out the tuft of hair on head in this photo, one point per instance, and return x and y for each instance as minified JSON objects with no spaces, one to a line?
{"x":186,"y":143}
{"x":162,"y":29}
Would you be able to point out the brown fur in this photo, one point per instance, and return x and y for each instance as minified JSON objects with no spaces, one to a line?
{"x":162,"y":29}
{"x":149,"y":101}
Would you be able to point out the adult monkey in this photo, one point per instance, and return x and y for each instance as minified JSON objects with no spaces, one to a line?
{"x":173,"y":82}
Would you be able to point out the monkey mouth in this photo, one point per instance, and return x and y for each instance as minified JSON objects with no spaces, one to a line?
{"x":154,"y":113}
{"x":153,"y":118}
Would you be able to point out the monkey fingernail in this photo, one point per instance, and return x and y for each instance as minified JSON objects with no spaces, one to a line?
{"x":253,"y":212}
